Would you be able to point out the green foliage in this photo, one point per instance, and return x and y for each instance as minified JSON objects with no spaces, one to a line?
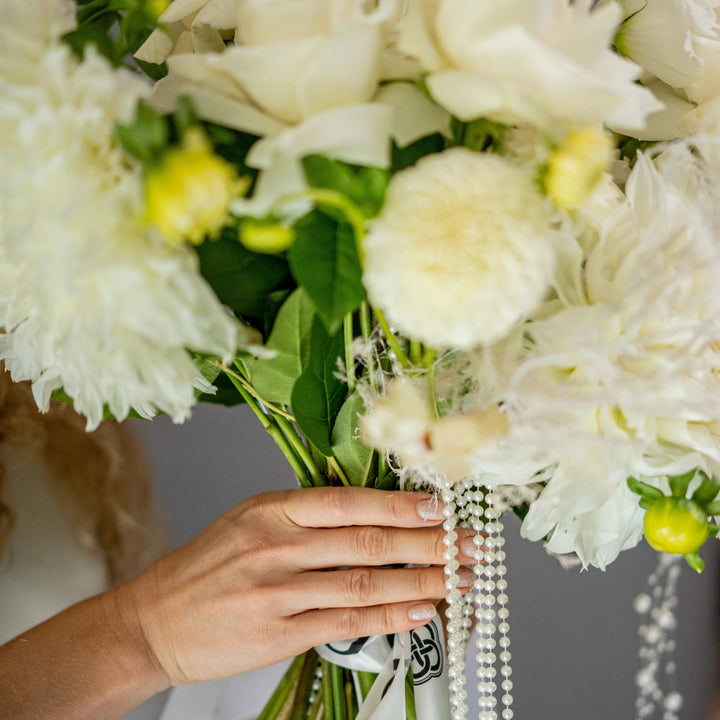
{"x":324,"y":260}
{"x":409,"y":155}
{"x":116,"y":27}
{"x":630,"y":147}
{"x":232,"y":145}
{"x":707,"y":490}
{"x":355,"y":458}
{"x":274,"y":378}
{"x":242,"y":280}
{"x":146,"y":137}
{"x":364,"y":186}
{"x":318,"y":393}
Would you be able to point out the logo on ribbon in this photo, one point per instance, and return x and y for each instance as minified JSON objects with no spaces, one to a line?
{"x":427,"y":653}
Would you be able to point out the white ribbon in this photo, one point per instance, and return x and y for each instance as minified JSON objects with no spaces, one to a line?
{"x":423,"y":649}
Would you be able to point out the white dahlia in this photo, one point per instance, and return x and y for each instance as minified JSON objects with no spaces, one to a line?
{"x":525,"y":61}
{"x":462,"y":250}
{"x":89,"y":301}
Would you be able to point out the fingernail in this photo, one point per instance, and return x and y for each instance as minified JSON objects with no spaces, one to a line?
{"x":468,"y":547}
{"x":466,"y":577}
{"x":422,"y":612}
{"x":430,"y":509}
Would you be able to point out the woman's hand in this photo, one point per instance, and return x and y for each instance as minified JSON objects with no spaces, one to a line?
{"x":284,"y":571}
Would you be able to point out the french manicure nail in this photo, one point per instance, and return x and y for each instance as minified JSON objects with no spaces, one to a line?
{"x":430,"y":510}
{"x":468,"y":547}
{"x":422,"y":612}
{"x":466,"y":577}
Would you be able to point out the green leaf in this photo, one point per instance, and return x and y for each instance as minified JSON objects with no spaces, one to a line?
{"x":274,"y":378}
{"x":679,"y":483}
{"x":355,"y":458}
{"x":713,"y":529}
{"x":146,"y":137}
{"x":713,"y":508}
{"x":240,"y":278}
{"x":409,"y":155}
{"x":324,"y":260}
{"x":364,"y":186}
{"x":643,"y":489}
{"x":225,"y":393}
{"x":97,"y":34}
{"x":695,"y":561}
{"x":318,"y":393}
{"x":388,"y":481}
{"x":154,"y":71}
{"x":707,"y":491}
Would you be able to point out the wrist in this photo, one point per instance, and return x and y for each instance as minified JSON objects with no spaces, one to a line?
{"x":142,"y":669}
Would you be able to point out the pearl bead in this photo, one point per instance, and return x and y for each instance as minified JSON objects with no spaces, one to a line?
{"x":501,"y":584}
{"x":507,"y":685}
{"x":673,"y":701}
{"x":504,"y":642}
{"x":503,"y":613}
{"x":504,"y":627}
{"x":502,"y":599}
{"x":507,"y":699}
{"x":507,"y":714}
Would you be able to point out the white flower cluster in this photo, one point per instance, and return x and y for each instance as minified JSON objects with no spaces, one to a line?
{"x":89,"y":301}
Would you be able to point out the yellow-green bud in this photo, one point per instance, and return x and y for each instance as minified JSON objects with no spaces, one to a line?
{"x":188,"y":193}
{"x":266,"y":237}
{"x":676,"y":525}
{"x":576,"y":167}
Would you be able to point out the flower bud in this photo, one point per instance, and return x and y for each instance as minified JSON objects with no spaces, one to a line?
{"x":576,"y":167}
{"x":676,"y":525}
{"x":268,"y":237}
{"x":188,"y":193}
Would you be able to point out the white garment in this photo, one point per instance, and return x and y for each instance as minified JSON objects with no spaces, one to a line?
{"x":46,"y":567}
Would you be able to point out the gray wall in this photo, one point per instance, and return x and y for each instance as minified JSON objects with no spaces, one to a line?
{"x":574,"y":635}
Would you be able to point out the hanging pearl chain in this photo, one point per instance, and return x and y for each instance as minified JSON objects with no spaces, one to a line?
{"x":487,"y":600}
{"x":657,"y":645}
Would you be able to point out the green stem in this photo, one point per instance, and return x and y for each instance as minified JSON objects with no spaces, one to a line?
{"x":351,"y":704}
{"x":338,"y":692}
{"x":410,"y":697}
{"x":431,"y":392}
{"x":301,"y":450}
{"x":270,"y":425}
{"x":366,"y":681}
{"x":335,"y":466}
{"x":246,"y":384}
{"x":348,"y":336}
{"x":327,"y":691}
{"x":415,"y":352}
{"x":305,"y":681}
{"x":366,"y":330}
{"x":282,"y":691}
{"x":402,"y":358}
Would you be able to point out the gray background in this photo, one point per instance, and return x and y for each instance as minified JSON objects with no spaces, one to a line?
{"x":574,"y":635}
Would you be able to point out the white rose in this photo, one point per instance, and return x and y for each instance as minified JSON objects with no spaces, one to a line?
{"x":305,"y":77}
{"x":524,"y":61}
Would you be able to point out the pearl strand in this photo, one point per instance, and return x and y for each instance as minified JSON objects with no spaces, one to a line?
{"x":454,"y":612}
{"x":657,"y":646}
{"x":486,"y":600}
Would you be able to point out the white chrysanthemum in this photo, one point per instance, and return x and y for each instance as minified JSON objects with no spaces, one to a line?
{"x":462,"y":250}
{"x":624,"y":382}
{"x":525,"y":61}
{"x":89,"y":301}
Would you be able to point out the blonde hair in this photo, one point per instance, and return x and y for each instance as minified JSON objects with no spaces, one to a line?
{"x":102,"y":478}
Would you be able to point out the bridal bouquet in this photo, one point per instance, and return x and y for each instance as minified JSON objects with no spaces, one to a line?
{"x":468,"y":245}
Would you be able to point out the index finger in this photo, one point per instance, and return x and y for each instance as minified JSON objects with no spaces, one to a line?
{"x":328,"y":507}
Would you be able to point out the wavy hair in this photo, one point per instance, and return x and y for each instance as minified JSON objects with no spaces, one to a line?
{"x":102,"y":478}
